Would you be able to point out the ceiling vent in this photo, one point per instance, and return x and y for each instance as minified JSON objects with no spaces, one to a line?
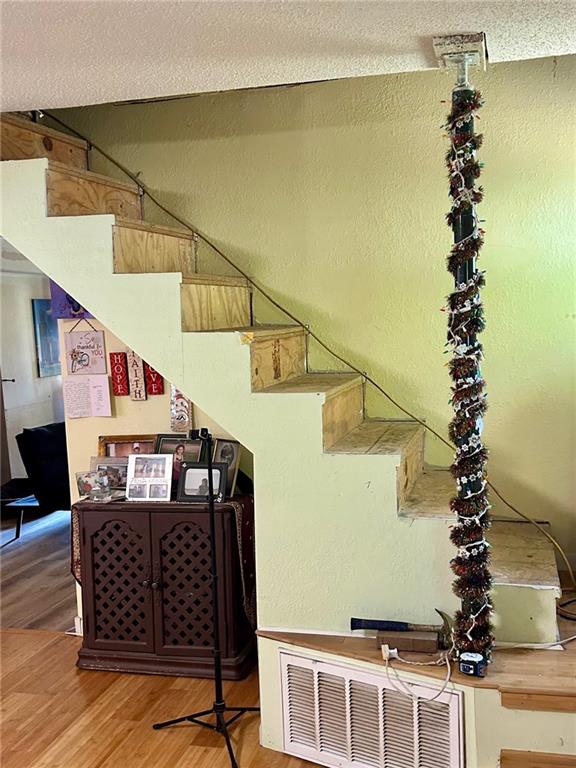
{"x":336,"y":715}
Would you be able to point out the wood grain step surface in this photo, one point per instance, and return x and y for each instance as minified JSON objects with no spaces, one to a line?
{"x":276,"y":356}
{"x":430,"y":496}
{"x":73,"y":192}
{"x":316,"y":383}
{"x":522,"y":556}
{"x":214,"y":306}
{"x":378,"y":436}
{"x":141,"y":247}
{"x":514,"y":758}
{"x":199,"y":278}
{"x":21,"y":139}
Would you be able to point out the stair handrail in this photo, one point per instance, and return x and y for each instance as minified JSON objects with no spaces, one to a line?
{"x":145,"y":190}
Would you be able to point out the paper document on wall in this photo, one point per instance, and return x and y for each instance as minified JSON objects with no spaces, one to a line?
{"x":86,"y":396}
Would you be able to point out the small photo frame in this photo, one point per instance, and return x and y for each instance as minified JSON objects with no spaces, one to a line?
{"x":122,"y":446}
{"x":149,"y":477}
{"x":193,"y":482}
{"x":95,"y":484}
{"x":116,"y":468}
{"x":181,"y":448}
{"x":228,"y":451}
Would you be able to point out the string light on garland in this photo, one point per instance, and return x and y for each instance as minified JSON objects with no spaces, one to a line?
{"x":471,"y":506}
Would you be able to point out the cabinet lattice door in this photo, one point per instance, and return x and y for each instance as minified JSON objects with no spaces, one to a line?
{"x":181,"y":555}
{"x":147,"y":592}
{"x":119,"y":610}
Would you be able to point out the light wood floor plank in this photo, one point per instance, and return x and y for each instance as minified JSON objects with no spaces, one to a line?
{"x":38,"y":590}
{"x":57,"y":716}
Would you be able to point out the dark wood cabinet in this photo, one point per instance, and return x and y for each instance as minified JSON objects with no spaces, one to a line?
{"x":146,"y":588}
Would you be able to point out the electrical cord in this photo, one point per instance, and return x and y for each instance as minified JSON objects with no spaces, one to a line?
{"x":533,"y":646}
{"x":569,"y":615}
{"x":263,"y":292}
{"x":392,"y":653}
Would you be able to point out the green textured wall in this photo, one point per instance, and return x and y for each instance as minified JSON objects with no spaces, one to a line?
{"x":333,"y":195}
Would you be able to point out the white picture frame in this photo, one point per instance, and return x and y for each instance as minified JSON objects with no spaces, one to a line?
{"x":149,"y":477}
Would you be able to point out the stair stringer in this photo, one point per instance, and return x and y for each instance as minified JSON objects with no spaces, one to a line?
{"x":329,"y":542}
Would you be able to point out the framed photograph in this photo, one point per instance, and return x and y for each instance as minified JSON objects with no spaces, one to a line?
{"x":228,"y":451}
{"x":93,"y":484}
{"x":46,"y":336}
{"x":149,"y":477}
{"x":124,"y":445}
{"x":115,"y":467}
{"x":193,"y":482}
{"x":181,"y":448}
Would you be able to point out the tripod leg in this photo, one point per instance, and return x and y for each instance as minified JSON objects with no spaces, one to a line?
{"x":224,"y":731}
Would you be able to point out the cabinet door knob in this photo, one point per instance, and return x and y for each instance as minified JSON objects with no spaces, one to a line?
{"x":145,"y":583}
{"x":155,"y":585}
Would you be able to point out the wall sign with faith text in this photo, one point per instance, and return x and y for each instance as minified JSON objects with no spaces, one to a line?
{"x":136,"y":378}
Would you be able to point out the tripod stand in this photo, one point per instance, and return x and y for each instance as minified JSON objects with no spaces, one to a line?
{"x":219,"y":708}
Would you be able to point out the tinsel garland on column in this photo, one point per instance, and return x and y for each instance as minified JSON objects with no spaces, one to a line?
{"x":473,"y":631}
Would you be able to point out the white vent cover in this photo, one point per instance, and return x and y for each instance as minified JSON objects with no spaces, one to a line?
{"x":337,"y":715}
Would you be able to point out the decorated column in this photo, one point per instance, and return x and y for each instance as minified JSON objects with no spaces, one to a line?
{"x":473,"y":632}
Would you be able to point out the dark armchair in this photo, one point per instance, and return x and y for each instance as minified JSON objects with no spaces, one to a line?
{"x":43,"y":451}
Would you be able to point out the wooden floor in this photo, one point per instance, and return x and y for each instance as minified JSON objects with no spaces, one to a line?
{"x":57,"y":716}
{"x":36,"y":585}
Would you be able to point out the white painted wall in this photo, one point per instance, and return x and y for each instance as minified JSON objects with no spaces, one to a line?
{"x":31,"y":401}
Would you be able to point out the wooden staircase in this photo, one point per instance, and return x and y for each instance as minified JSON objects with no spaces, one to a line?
{"x":358,"y":511}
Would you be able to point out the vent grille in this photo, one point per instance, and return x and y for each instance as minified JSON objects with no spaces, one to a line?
{"x":337,"y":715}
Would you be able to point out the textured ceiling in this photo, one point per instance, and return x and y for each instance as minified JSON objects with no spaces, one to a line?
{"x":57,"y":54}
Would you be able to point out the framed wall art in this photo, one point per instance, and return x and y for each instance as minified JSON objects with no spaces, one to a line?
{"x":193,"y":482}
{"x":85,"y":352}
{"x":46,"y":337}
{"x":124,"y":445}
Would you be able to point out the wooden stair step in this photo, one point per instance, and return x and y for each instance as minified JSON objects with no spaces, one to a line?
{"x":206,"y":279}
{"x":210,"y":302}
{"x":388,"y":437}
{"x":143,"y":247}
{"x":378,"y":436}
{"x":316,"y":383}
{"x":522,"y":556}
{"x":22,"y":139}
{"x":430,"y":496}
{"x":74,"y":192}
{"x":343,"y":406}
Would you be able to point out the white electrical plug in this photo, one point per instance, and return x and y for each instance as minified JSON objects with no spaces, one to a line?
{"x":389,"y":653}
